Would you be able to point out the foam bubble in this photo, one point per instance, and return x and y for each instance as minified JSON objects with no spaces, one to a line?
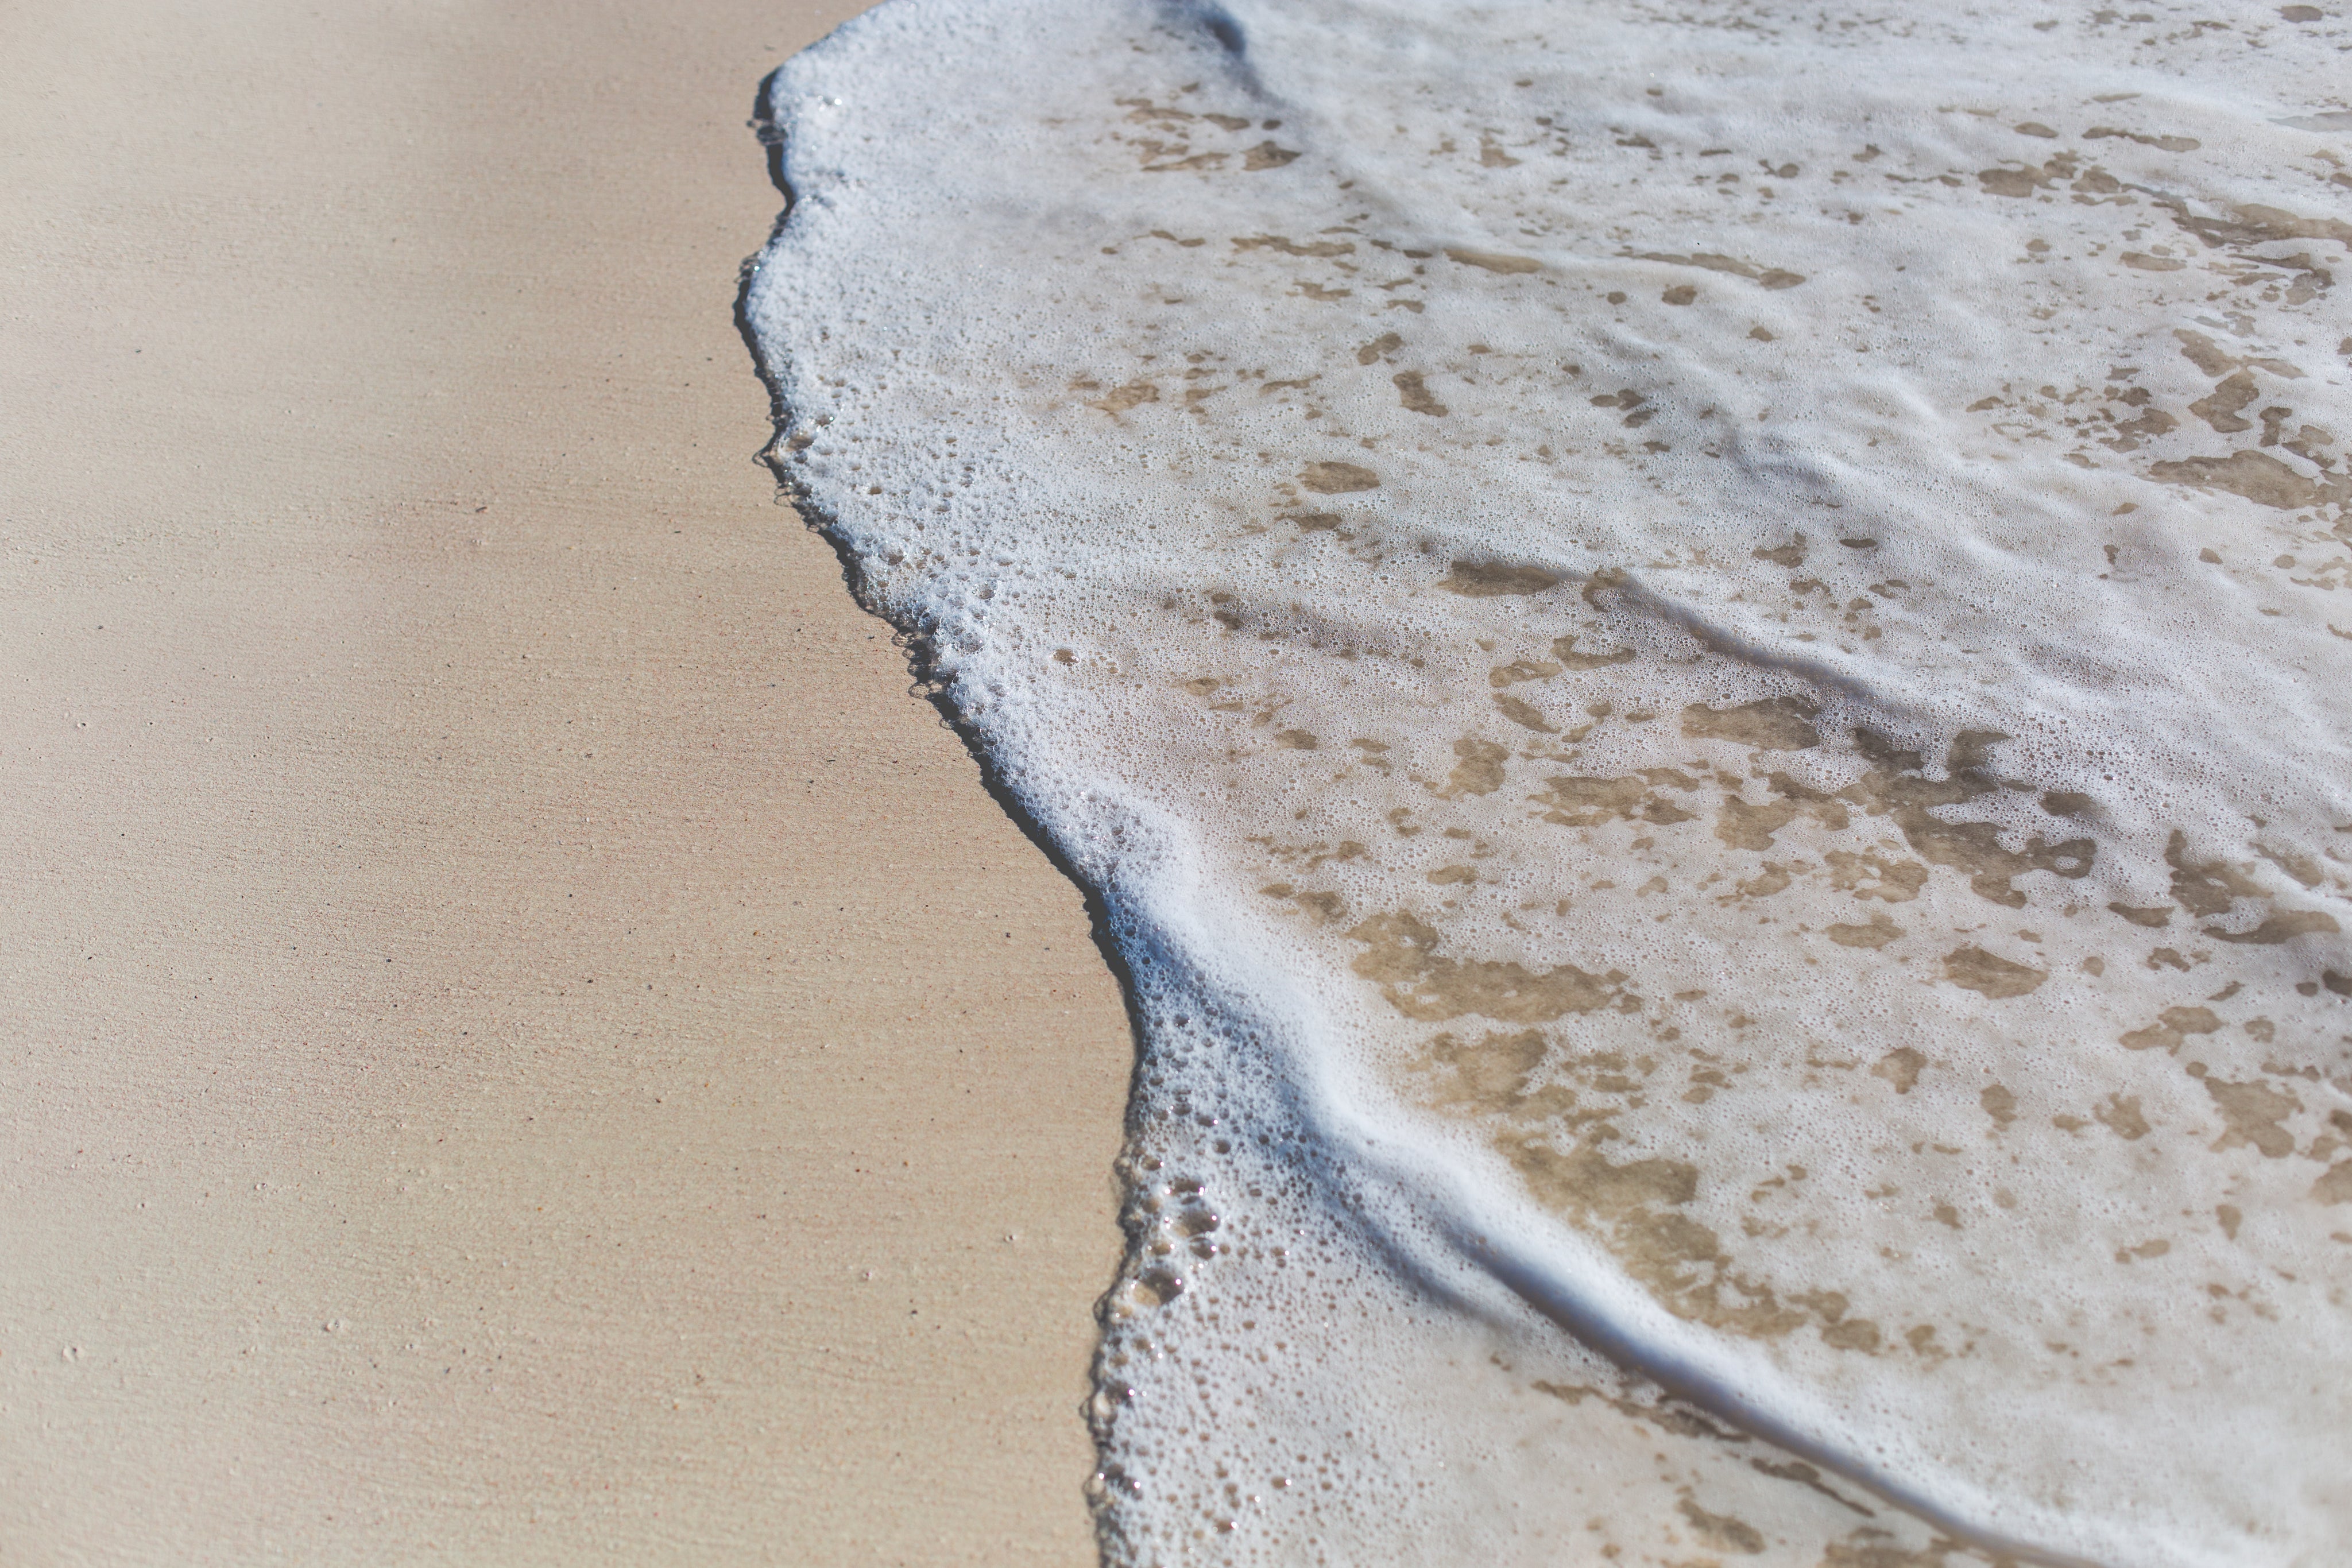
{"x":1693,"y":653}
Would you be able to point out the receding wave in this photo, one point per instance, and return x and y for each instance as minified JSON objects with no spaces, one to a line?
{"x":1701,"y":655}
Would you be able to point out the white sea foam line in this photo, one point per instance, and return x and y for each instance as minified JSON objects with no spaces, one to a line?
{"x":1431,"y":1197}
{"x":1163,"y":911}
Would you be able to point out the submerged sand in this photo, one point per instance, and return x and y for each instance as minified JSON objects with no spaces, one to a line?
{"x":523,"y":1041}
{"x":1651,"y":765}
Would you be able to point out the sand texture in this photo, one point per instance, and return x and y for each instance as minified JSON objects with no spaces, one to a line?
{"x":520,"y":1041}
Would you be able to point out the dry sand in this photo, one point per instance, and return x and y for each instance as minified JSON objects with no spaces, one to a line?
{"x":520,"y":1042}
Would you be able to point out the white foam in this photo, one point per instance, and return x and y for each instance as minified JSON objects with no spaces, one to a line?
{"x":1693,"y":653}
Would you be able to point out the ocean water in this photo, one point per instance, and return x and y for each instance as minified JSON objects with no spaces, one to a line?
{"x":1701,"y":656}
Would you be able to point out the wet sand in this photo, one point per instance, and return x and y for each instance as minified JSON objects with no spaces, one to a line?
{"x":521,"y":1041}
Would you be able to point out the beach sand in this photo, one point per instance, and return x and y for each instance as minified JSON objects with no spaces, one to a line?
{"x":521,"y":1041}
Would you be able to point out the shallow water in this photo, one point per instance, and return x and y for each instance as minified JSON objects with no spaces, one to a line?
{"x":1698,"y":655}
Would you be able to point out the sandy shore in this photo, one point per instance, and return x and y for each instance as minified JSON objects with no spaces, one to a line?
{"x":522,"y":1042}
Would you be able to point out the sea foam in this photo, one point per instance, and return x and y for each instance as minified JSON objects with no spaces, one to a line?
{"x":1700,"y":655}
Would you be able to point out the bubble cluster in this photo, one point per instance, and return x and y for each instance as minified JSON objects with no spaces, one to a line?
{"x":1697,"y":654}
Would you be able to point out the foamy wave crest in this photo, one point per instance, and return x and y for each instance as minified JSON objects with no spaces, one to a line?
{"x":1700,"y":655}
